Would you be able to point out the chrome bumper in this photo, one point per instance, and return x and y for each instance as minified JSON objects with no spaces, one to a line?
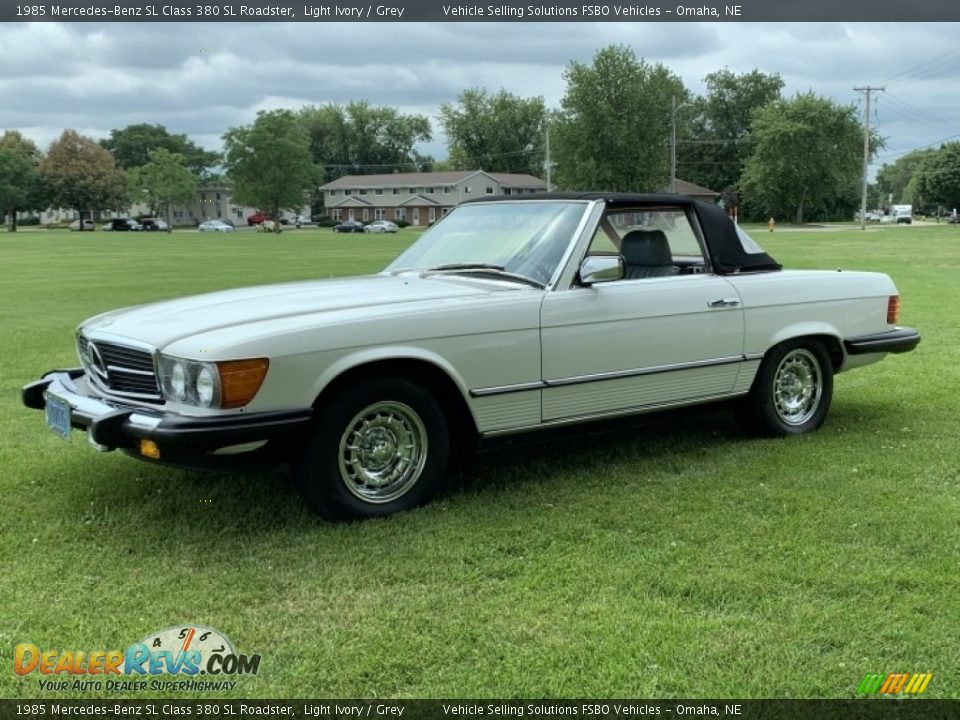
{"x":113,"y":425}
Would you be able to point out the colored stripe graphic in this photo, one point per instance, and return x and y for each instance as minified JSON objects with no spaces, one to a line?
{"x":870,"y":683}
{"x":894,"y":683}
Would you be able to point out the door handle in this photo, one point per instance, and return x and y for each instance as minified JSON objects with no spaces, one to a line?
{"x":723,"y":302}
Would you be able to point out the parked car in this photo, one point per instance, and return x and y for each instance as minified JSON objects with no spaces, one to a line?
{"x":256,"y":219}
{"x":87,"y":225}
{"x":214,"y":226}
{"x":381,"y":226}
{"x":121,"y":225}
{"x":153,"y":224}
{"x":507,"y":316}
{"x":349,"y":226}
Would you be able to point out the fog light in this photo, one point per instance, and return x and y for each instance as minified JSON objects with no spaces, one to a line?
{"x":148,"y":448}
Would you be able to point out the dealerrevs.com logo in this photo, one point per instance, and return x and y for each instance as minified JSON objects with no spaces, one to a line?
{"x":185,"y":652}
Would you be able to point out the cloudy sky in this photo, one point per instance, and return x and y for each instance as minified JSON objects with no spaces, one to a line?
{"x":200,"y":79}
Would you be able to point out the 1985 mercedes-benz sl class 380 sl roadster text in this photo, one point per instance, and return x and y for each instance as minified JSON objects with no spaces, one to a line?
{"x":509,"y":315}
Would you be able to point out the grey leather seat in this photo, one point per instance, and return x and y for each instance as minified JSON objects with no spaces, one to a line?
{"x":647,"y":254}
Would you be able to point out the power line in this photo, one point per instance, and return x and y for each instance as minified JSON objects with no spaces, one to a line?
{"x":912,"y":73}
{"x":920,"y":147}
{"x":916,"y":113}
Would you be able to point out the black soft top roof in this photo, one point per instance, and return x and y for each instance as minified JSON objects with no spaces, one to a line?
{"x":726,"y":251}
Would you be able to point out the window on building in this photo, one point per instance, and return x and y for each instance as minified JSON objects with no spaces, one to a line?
{"x":379,"y":214}
{"x":378,"y":191}
{"x":506,"y":191}
{"x":400,"y":214}
{"x":366,"y":214}
{"x":337,"y":214}
{"x":433,"y":214}
{"x":333,"y":193}
{"x":446,"y":190}
{"x":444,"y":211}
{"x":396,"y":191}
{"x":218,"y":196}
{"x":430,"y":191}
{"x":348,"y":192}
{"x":363,"y":191}
{"x":238,"y":213}
{"x":466,"y":189}
{"x":489,"y":191}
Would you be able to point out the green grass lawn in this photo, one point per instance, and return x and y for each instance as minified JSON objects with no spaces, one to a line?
{"x":676,"y":559}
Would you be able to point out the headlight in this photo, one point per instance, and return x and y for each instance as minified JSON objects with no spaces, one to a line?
{"x":178,"y":381}
{"x":207,"y":385}
{"x":226,"y":384}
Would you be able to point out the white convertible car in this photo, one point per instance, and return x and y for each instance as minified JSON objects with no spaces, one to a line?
{"x":509,"y":315}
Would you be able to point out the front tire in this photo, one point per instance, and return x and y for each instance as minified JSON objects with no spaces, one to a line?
{"x":376,"y":448}
{"x":792,"y":391}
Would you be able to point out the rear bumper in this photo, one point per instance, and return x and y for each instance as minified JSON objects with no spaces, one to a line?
{"x":110,"y":425}
{"x":898,"y":340}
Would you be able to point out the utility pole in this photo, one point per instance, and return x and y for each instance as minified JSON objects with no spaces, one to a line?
{"x":547,"y":161}
{"x":673,"y":141}
{"x":866,"y":150}
{"x":673,"y":144}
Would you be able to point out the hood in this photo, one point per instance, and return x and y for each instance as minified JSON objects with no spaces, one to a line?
{"x":161,"y":323}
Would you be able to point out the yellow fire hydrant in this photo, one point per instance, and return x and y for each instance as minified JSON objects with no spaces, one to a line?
{"x":771,"y":224}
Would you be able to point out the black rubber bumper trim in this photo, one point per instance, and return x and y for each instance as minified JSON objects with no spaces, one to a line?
{"x":187,"y":436}
{"x":32,"y":395}
{"x":893,"y":341}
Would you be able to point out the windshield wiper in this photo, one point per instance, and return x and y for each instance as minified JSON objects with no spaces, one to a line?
{"x":497,"y":271}
{"x":467,"y":266}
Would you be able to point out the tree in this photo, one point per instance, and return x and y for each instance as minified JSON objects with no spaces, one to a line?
{"x":894,"y":179}
{"x":807,"y":153}
{"x":362,"y":139}
{"x":82,"y":175}
{"x":131,"y":147}
{"x":163,"y":181}
{"x":716,"y":143}
{"x":269,"y":163}
{"x":21,"y":187}
{"x":498,"y":133}
{"x":937,"y":178}
{"x":614,"y":128}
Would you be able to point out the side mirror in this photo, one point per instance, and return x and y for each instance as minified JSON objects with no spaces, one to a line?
{"x":601,"y":268}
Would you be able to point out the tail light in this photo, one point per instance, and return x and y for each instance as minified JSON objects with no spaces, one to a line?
{"x":893,"y":310}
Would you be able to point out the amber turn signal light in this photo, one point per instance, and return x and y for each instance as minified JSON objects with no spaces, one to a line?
{"x":148,"y":448}
{"x":240,"y":380}
{"x":893,"y":310}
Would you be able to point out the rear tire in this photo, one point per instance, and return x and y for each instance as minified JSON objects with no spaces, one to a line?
{"x":792,"y":391}
{"x":376,"y":448}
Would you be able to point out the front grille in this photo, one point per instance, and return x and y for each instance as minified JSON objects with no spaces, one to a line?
{"x":120,"y":370}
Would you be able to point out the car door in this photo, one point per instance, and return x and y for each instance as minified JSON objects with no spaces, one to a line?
{"x":673,"y":335}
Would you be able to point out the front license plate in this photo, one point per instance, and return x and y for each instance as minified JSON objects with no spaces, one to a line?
{"x":58,"y":415}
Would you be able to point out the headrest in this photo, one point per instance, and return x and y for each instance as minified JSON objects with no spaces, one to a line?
{"x":646,"y":247}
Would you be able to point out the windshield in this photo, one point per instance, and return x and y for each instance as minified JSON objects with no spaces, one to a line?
{"x":526,"y":238}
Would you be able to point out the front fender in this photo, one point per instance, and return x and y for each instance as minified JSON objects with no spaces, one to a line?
{"x":366,"y":356}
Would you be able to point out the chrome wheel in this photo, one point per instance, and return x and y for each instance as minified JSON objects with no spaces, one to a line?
{"x":797,"y":387}
{"x":383,"y":451}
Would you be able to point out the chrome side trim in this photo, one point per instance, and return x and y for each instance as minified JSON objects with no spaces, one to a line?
{"x":654,"y":370}
{"x":503,"y":389}
{"x":754,"y":356}
{"x":613,"y":375}
{"x":639,"y":410}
